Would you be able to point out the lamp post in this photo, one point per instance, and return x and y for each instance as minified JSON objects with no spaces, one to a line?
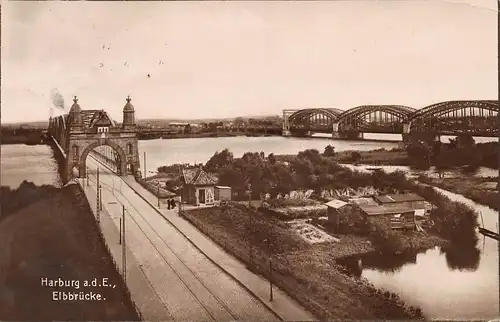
{"x":270,"y":269}
{"x":249,"y":191}
{"x":158,"y":185}
{"x":100,"y":199}
{"x":124,"y":250}
{"x":145,"y":173}
{"x":98,"y":206}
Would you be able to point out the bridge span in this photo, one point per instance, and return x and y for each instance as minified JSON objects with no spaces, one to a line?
{"x":478,"y":118}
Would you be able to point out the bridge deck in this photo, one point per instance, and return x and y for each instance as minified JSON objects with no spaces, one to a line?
{"x":186,"y":281}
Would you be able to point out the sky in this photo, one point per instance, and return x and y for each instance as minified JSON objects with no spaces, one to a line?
{"x":229,"y":59}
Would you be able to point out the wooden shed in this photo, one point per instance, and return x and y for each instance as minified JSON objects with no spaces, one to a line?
{"x":222,"y":193}
{"x":336,"y":210}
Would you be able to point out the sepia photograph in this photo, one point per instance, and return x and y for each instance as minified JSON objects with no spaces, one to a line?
{"x":249,"y":160}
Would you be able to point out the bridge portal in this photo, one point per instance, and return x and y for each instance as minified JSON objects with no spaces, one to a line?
{"x":81,"y":131}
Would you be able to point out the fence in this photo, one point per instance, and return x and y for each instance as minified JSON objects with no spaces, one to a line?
{"x":260,"y":263}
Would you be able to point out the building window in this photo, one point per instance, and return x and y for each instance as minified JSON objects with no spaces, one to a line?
{"x":129,"y":148}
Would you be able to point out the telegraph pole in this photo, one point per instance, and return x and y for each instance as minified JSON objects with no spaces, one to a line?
{"x":144,"y":176}
{"x":121,"y":231}
{"x":124,"y":250}
{"x":270,"y":269}
{"x":100,"y":199}
{"x":250,"y":215}
{"x":158,"y":184}
{"x":98,"y":207}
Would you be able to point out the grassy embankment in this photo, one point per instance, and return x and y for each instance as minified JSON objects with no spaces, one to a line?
{"x":382,"y":156}
{"x":307,"y":272}
{"x":50,"y":232}
{"x":374,"y":157}
{"x":473,"y":188}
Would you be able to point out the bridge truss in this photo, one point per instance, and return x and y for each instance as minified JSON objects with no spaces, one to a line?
{"x":450,"y":117}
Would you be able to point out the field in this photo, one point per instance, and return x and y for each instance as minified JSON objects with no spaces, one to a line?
{"x":54,"y":237}
{"x":305,"y":270}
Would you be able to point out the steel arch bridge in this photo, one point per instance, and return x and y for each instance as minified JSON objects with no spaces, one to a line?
{"x":454,"y":117}
{"x":374,"y":118}
{"x":314,"y":119}
{"x":479,"y":118}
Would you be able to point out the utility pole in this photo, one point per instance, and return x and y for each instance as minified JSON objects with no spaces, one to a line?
{"x":98,"y":207}
{"x":100,"y":199}
{"x":121,"y":231}
{"x":181,"y":201}
{"x":250,"y":215}
{"x":158,"y":184}
{"x":144,"y":176}
{"x":270,"y":269}
{"x":124,"y":250}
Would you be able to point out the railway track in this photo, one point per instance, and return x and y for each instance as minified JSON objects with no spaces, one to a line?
{"x":203,"y":294}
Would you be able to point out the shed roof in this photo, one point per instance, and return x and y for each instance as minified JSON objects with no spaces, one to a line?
{"x":222,"y":187}
{"x":389,"y":209}
{"x":335,"y":203}
{"x":198,"y":177}
{"x":401,"y":197}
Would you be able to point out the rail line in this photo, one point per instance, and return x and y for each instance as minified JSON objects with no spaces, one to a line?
{"x":112,"y":189}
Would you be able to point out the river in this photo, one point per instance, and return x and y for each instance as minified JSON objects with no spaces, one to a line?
{"x":33,"y":163}
{"x":445,"y":286}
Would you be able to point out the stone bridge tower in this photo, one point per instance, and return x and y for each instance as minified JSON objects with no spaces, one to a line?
{"x":88,"y":129}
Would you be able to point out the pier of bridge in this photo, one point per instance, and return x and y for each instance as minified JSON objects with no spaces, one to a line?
{"x":478,"y":118}
{"x":79,"y":132}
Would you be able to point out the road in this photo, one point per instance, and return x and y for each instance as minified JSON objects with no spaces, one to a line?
{"x":188,"y":283}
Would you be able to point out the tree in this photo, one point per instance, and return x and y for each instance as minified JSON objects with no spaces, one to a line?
{"x":329,"y":151}
{"x":219,"y":161}
{"x":356,"y":156}
{"x":271,"y":158}
{"x":420,"y":154}
{"x":239,"y":121}
{"x":187,"y":129}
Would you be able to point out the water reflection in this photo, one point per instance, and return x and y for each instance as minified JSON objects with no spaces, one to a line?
{"x":462,"y":259}
{"x":457,"y":258}
{"x":377,"y":261}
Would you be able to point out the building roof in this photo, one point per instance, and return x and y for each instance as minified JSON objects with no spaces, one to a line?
{"x":90,"y":116}
{"x":388,"y":209}
{"x":222,"y":187}
{"x":335,"y":203}
{"x":402,"y":197}
{"x":198,"y":177}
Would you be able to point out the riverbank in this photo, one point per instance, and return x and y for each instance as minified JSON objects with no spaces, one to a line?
{"x":221,"y":134}
{"x":33,"y":137}
{"x":481,"y":190}
{"x":397,"y":157}
{"x":51,"y":233}
{"x":305,"y":271}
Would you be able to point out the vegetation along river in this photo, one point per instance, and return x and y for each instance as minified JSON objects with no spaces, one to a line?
{"x":462,"y":286}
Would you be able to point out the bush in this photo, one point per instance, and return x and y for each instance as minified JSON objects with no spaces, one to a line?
{"x":383,"y":236}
